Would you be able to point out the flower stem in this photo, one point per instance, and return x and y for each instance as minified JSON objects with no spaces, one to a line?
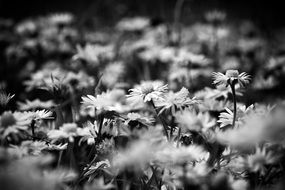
{"x":33,"y":129}
{"x":172,"y":127}
{"x":161,"y":121}
{"x":235,"y":103}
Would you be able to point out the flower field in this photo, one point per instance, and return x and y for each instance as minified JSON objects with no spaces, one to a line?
{"x":143,"y":104}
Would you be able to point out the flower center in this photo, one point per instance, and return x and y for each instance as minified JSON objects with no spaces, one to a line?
{"x":148,"y":88}
{"x":232,"y":74}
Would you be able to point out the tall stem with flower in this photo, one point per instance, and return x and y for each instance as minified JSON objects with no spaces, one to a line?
{"x":232,"y":78}
{"x":148,"y":91}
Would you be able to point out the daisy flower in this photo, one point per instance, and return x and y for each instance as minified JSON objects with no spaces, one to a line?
{"x":177,"y":101}
{"x":60,"y":18}
{"x":230,"y":78}
{"x":195,"y":122}
{"x":215,"y":16}
{"x":66,"y":131}
{"x":93,"y":54}
{"x":146,"y":120}
{"x":34,"y":115}
{"x":89,"y":133}
{"x":34,"y":104}
{"x":148,"y":91}
{"x":184,"y":154}
{"x":133,"y":24}
{"x":226,"y":118}
{"x":113,"y":100}
{"x":42,"y":114}
{"x":11,"y":123}
{"x":257,"y":162}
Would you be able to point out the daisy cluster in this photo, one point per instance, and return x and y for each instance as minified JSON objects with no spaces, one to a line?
{"x":140,"y":105}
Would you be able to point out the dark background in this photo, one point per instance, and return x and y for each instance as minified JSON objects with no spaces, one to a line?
{"x":270,"y":13}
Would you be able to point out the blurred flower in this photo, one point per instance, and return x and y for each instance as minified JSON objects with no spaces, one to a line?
{"x":140,"y":152}
{"x":262,"y":82}
{"x":5,"y":98}
{"x":59,"y":79}
{"x":213,"y":105}
{"x":26,"y":27}
{"x":113,"y":100}
{"x":27,"y":174}
{"x":257,"y":161}
{"x":133,"y":24}
{"x":253,"y":130}
{"x":170,"y":154}
{"x":148,"y":91}
{"x":10,"y":123}
{"x":34,"y":148}
{"x":60,"y":18}
{"x":112,"y":74}
{"x":93,"y":54}
{"x":215,"y":16}
{"x":189,"y":121}
{"x":35,"y":104}
{"x":239,"y":184}
{"x":66,"y":131}
{"x":136,"y":156}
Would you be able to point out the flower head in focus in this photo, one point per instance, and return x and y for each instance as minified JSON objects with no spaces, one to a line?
{"x":148,"y":91}
{"x":177,"y":101}
{"x":231,"y":77}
